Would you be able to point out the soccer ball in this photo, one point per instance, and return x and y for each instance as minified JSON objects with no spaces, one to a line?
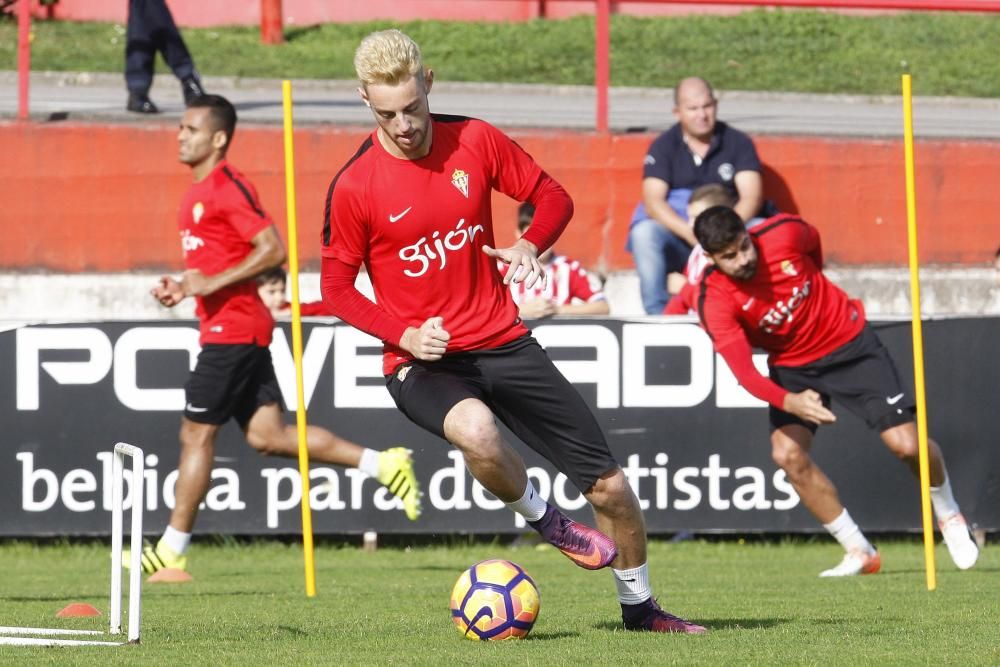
{"x":494,"y":600}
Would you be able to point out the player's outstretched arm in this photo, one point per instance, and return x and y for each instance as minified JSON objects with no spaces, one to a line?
{"x":808,"y":405}
{"x":267,"y":252}
{"x":522,"y":258}
{"x":429,"y":342}
{"x":168,"y":292}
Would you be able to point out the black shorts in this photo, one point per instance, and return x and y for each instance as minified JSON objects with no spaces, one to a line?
{"x":860,"y":375}
{"x":230,"y":381}
{"x":524,"y":389}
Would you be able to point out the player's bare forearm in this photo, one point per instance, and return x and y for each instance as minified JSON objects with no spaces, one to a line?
{"x":268,"y":252}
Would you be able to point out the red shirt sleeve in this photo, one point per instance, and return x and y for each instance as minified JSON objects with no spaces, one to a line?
{"x":719,"y":319}
{"x":342,"y":299}
{"x":242,"y":207}
{"x":812,"y":245}
{"x":683,"y":302}
{"x":313,"y":308}
{"x":553,"y":210}
{"x":346,"y":219}
{"x":739,"y":356}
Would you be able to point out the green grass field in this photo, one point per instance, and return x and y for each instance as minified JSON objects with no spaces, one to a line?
{"x":762,"y":602}
{"x":768,"y":50}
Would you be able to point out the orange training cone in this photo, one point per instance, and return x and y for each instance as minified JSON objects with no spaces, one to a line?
{"x":169,"y":575}
{"x":77,"y":609}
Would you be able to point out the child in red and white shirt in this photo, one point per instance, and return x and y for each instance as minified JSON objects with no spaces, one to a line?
{"x":569,"y":290}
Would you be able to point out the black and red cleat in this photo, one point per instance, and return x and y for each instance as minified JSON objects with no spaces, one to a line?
{"x":587,"y":547}
{"x":647,"y":616}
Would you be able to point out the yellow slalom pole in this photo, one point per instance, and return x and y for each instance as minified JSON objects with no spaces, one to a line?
{"x":293,"y":278}
{"x":918,"y":336}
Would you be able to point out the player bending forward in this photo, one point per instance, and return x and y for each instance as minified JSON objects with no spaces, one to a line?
{"x":765,"y":288}
{"x":414,"y":204}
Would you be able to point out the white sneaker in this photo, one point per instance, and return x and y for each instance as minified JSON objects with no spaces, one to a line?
{"x":961,"y":545}
{"x":855,"y":563}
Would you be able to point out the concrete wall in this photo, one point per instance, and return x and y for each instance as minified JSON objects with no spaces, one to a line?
{"x":31,"y":297}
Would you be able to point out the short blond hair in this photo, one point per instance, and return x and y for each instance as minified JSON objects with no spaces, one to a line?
{"x":387,"y":57}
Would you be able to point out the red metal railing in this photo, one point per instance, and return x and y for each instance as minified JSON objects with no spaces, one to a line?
{"x":271,"y":22}
{"x":23,"y":58}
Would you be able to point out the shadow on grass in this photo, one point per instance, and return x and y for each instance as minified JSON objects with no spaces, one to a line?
{"x":55,"y":598}
{"x":921,"y":571}
{"x":715,"y":624}
{"x":292,"y":34}
{"x":548,"y":636}
{"x":431,"y":568}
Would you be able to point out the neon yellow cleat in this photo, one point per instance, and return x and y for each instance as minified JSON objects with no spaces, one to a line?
{"x":395,"y":472}
{"x":157,"y":558}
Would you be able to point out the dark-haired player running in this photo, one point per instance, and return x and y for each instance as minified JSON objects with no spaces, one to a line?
{"x":766,"y":289}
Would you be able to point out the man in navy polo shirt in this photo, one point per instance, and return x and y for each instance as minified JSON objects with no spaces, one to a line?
{"x":696,"y":151}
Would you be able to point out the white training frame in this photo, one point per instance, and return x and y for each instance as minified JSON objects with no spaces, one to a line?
{"x":10,"y":635}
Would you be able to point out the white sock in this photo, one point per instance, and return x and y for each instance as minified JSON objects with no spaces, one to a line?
{"x":176,"y":540}
{"x":531,"y":505}
{"x":369,"y":462}
{"x":633,"y":584}
{"x":845,"y":531}
{"x":943,"y":501}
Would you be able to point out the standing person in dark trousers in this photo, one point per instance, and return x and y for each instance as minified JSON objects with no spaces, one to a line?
{"x":228,"y":239}
{"x":765,"y":288}
{"x":151,"y":28}
{"x":414,"y":205}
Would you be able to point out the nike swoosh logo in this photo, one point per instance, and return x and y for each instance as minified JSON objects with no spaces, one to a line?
{"x":483,"y":612}
{"x":893,"y":400}
{"x":591,"y":561}
{"x":394,"y":218}
{"x":746,"y":306}
{"x":191,"y":408}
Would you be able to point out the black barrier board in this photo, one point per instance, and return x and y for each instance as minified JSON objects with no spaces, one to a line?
{"x":693,"y":443}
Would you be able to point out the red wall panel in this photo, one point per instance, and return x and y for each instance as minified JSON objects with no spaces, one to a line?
{"x":80,"y":197}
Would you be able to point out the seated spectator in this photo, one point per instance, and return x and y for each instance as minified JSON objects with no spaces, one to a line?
{"x":705,"y":197}
{"x":271,"y":286}
{"x":569,"y":289}
{"x":697,"y":150}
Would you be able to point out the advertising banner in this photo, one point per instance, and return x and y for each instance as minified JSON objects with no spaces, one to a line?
{"x":693,"y":443}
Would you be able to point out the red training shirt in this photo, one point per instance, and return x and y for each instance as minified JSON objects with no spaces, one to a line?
{"x":789,"y":308}
{"x":419,"y":226}
{"x":218,"y":218}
